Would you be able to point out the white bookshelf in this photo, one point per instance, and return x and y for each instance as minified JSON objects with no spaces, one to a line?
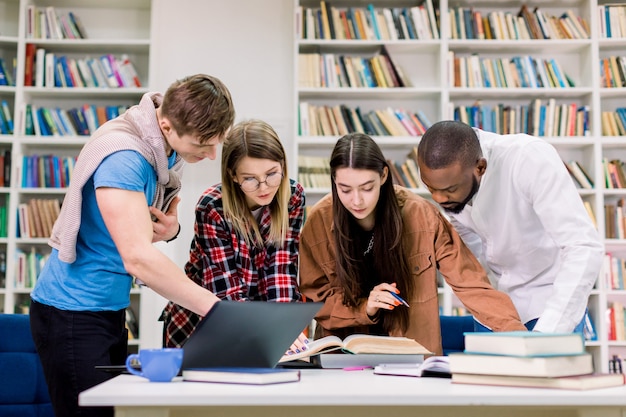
{"x":113,"y":27}
{"x":426,"y":64}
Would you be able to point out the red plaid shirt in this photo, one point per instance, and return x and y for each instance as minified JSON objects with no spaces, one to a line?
{"x":221,"y":261}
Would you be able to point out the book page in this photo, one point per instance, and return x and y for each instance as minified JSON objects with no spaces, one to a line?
{"x":360,"y":343}
{"x":325,"y":344}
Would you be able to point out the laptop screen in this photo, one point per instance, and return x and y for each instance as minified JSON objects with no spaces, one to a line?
{"x":253,"y":334}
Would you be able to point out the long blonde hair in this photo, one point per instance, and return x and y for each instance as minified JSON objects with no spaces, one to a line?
{"x":254,"y":139}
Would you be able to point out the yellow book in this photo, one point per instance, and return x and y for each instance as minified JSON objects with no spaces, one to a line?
{"x":391,"y":123}
{"x":325,"y":21}
{"x":378,"y":73}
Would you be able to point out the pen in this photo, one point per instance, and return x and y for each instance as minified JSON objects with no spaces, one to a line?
{"x":397,"y":297}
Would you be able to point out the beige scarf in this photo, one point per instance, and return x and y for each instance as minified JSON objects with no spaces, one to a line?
{"x":137,"y":129}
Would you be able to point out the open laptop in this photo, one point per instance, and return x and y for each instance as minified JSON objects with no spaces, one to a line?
{"x":254,"y":334}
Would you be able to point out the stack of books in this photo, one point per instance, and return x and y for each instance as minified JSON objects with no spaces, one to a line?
{"x":528,"y":359}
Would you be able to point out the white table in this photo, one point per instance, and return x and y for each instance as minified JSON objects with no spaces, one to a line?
{"x":325,"y":393}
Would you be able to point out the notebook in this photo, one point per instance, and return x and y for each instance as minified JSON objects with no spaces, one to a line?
{"x":251,"y":334}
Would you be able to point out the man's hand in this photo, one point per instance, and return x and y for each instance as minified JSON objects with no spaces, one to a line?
{"x":166,"y":226}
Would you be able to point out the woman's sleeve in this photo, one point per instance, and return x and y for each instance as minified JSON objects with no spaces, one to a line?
{"x":212,"y":258}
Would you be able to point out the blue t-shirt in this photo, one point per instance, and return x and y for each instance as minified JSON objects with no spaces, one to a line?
{"x":97,"y":280}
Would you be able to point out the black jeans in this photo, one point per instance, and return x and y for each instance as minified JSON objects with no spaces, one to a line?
{"x":70,"y":344}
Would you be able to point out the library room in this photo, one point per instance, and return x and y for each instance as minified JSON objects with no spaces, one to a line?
{"x":316,"y":71}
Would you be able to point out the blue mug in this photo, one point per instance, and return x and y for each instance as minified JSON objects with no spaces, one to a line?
{"x":158,"y":365}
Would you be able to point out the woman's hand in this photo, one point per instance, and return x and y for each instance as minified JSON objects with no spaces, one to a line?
{"x":299,"y":345}
{"x":380,"y":297}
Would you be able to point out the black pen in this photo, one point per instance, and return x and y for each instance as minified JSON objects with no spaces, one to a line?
{"x":397,"y":297}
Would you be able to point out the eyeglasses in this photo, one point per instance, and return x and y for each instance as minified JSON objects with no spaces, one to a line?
{"x":252,"y":183}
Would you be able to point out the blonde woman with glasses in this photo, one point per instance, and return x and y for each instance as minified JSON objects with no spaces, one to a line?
{"x":247,"y":230}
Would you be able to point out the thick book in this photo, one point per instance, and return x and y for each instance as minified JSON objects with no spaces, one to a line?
{"x":545,"y":366}
{"x":434,"y":366}
{"x":521,"y":343}
{"x":577,"y":382}
{"x":253,"y":376}
{"x":359,"y":344}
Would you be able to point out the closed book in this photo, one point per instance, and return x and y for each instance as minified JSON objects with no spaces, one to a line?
{"x":254,"y":376}
{"x":545,"y":366}
{"x":524,"y":343}
{"x":577,"y":382}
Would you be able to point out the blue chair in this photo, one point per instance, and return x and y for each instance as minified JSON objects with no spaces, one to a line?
{"x":452,"y":329}
{"x":23,"y":389}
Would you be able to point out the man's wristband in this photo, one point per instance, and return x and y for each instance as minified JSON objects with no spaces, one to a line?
{"x":175,"y":236}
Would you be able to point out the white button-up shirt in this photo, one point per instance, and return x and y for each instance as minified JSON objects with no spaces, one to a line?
{"x":529,"y":228}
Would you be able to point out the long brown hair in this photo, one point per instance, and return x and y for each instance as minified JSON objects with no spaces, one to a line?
{"x":359,"y":151}
{"x":255,"y":139}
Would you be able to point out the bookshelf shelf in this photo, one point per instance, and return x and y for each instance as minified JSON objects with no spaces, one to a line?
{"x":532,"y":46}
{"x":83,"y":93}
{"x":118,"y":27}
{"x":426,"y":64}
{"x":517,"y":93}
{"x":364,"y":93}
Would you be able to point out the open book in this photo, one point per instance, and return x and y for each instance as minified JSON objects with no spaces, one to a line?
{"x":361,"y":343}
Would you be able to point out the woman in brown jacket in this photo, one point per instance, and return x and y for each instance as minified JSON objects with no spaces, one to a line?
{"x":368,"y":239}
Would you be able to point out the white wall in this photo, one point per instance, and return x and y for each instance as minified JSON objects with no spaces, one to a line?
{"x":248,"y":44}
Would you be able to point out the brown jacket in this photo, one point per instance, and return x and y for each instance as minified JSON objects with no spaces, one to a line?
{"x":431,"y":242}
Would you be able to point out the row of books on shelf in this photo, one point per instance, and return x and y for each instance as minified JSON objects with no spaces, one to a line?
{"x":48,"y":69}
{"x":340,"y":71}
{"x":613,"y":72}
{"x":3,"y":270}
{"x":616,"y":324}
{"x":342,"y":119}
{"x":367,"y":23}
{"x":47,"y":171}
{"x":614,"y":174}
{"x":78,"y":121}
{"x":612,"y":19}
{"x":3,"y":219}
{"x":37,"y":216}
{"x":7,"y":75}
{"x":614,"y":123}
{"x":6,"y":118}
{"x":529,"y":359}
{"x":5,"y":168}
{"x":406,"y":173}
{"x":28,"y":265}
{"x":538,"y":118}
{"x":468,"y":23}
{"x":615,"y":220}
{"x":314,"y":171}
{"x":48,"y":23}
{"x":473,"y":71}
{"x":578,"y":173}
{"x":614,"y":271}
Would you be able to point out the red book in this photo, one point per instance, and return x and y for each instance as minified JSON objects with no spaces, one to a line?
{"x":29,"y":65}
